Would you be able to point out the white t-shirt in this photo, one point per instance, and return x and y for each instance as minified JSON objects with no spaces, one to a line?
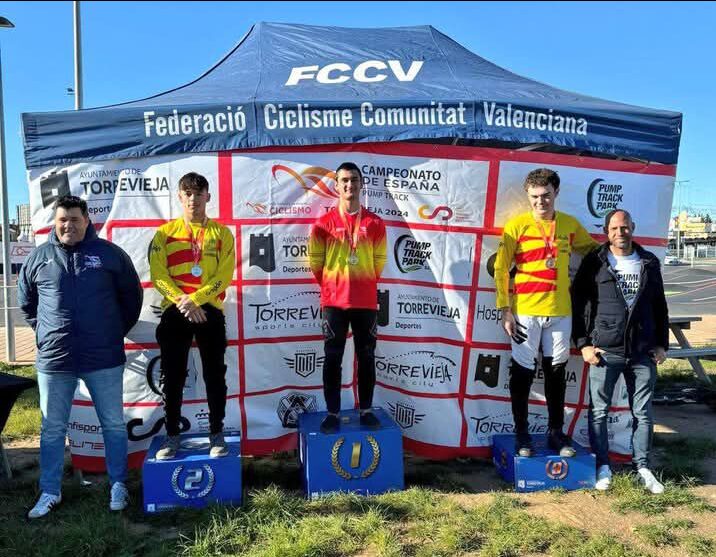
{"x":628,"y":269}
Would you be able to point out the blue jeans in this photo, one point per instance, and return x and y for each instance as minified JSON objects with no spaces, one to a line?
{"x":57,"y":390}
{"x":640,"y":378}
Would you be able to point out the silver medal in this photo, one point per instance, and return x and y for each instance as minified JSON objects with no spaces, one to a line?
{"x":550,"y":263}
{"x":196,"y":271}
{"x":353,"y":259}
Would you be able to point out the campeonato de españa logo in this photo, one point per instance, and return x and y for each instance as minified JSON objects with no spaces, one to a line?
{"x":313,"y":179}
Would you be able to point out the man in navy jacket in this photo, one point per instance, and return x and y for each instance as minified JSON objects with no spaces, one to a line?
{"x":81,"y":295}
{"x":620,"y":323}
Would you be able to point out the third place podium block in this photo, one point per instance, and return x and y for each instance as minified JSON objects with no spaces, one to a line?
{"x":356,"y":459}
{"x":545,"y":469}
{"x":192,"y":478}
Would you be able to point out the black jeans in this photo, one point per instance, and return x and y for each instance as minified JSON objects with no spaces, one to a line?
{"x":174,"y":335}
{"x":364,"y":325}
{"x":555,"y":385}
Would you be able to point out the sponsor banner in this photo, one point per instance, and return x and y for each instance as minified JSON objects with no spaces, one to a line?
{"x":275,"y":414}
{"x":486,"y":324}
{"x":429,"y":369}
{"x":486,"y":418}
{"x":136,"y":241}
{"x":429,"y":420}
{"x":127,"y":189}
{"x":422,"y":312}
{"x":281,"y":311}
{"x":590,"y":194}
{"x":412,"y":189}
{"x":269,"y":366}
{"x":575,"y":374}
{"x":430,"y":256}
{"x":277,"y":251}
{"x":19,"y":251}
{"x":619,"y":427}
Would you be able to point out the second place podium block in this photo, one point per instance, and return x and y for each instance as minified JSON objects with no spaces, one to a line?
{"x":355,"y":459}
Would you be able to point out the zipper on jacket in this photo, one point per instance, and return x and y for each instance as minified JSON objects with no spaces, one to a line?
{"x":71,"y":271}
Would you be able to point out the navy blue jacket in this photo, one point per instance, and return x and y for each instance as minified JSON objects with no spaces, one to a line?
{"x":81,"y":301}
{"x":601,"y":317}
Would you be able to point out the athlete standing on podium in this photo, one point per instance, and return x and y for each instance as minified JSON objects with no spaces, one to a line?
{"x":192,"y":261}
{"x":539,"y":312}
{"x":347,"y":252}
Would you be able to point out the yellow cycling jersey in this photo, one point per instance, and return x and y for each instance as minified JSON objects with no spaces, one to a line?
{"x":541,"y":285}
{"x":171,"y":259}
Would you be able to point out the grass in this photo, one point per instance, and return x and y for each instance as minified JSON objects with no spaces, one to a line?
{"x":681,"y":458}
{"x":24,"y":419}
{"x":673,"y":373}
{"x":630,"y":497}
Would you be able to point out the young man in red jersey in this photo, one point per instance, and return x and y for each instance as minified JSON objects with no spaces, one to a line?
{"x":192,"y":261}
{"x":347,"y":252}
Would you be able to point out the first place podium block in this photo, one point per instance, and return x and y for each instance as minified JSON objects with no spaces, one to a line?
{"x":545,"y":469}
{"x":193,"y":478}
{"x":355,"y":459}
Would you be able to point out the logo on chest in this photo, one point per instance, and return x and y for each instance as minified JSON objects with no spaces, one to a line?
{"x":93,"y":262}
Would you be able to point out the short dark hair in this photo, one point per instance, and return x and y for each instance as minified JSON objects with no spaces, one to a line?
{"x":70,"y":202}
{"x":613,"y":212}
{"x":193,"y":181}
{"x":542,"y":177}
{"x":352,"y":167}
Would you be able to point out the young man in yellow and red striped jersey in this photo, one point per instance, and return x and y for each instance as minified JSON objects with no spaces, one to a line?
{"x":347,"y":253}
{"x":192,"y":262}
{"x":539,"y":312}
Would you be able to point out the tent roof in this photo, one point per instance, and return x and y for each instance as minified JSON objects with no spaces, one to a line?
{"x":285,"y":84}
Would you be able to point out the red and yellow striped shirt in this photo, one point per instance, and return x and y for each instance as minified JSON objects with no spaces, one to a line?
{"x":344,"y":285}
{"x":538,"y":290}
{"x":171,"y":260}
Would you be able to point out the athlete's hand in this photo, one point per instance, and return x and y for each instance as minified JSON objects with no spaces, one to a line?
{"x":185,"y":304}
{"x":197,"y":315}
{"x":590,"y":354}
{"x":658,"y":355}
{"x":512,"y":327}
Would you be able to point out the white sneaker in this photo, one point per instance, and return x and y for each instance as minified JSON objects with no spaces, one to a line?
{"x":44,"y":505}
{"x":119,"y":497}
{"x":604,"y":478}
{"x":649,"y":481}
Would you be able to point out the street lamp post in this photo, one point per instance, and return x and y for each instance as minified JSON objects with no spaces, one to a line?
{"x":678,"y":220}
{"x":9,"y":332}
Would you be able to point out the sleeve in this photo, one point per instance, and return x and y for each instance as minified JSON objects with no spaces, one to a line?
{"x":27,"y":292}
{"x":221,"y":280}
{"x":583,"y":242}
{"x":158,"y":270}
{"x":661,"y":311}
{"x":380,"y":250}
{"x":317,"y":251}
{"x":583,"y":293}
{"x":129,"y":291}
{"x":503,"y":264}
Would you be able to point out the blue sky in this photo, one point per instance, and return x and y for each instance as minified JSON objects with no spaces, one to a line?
{"x":658,"y":55}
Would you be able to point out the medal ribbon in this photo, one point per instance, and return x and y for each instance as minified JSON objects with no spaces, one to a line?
{"x":197,"y":244}
{"x":353,"y":234}
{"x":549,"y":241}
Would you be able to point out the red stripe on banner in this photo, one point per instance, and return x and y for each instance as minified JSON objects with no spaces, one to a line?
{"x":531,"y":255}
{"x":436,"y":227}
{"x":287,"y":387}
{"x":226,"y":193}
{"x":261,"y":447}
{"x":96,"y":463}
{"x":413,"y":340}
{"x":242,"y":339}
{"x":89,"y":403}
{"x":532,"y":287}
{"x":491,"y":195}
{"x":416,"y":393}
{"x":464,"y":365}
{"x":580,"y":403}
{"x":547,"y":274}
{"x":491,"y":345}
{"x":441,"y":452}
{"x":474,"y":154}
{"x":279,"y":340}
{"x":427,"y":284}
{"x":643,"y":240}
{"x":272,"y":281}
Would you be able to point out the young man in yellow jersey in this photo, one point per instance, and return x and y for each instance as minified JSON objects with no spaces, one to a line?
{"x":192,"y":261}
{"x":538,"y":312}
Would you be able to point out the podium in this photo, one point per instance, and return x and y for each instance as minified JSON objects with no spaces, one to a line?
{"x":192,"y":478}
{"x":545,"y":469}
{"x":355,"y":459}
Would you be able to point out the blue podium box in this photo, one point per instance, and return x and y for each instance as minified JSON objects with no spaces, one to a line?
{"x":355,"y":459}
{"x":193,"y":478}
{"x":545,"y":469}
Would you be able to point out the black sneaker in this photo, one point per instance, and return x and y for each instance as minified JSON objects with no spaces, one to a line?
{"x":369,"y":420}
{"x":523,"y":445}
{"x":330,"y":424}
{"x":558,"y":441}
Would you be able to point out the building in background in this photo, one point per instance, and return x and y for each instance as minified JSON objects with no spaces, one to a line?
{"x":24,"y":222}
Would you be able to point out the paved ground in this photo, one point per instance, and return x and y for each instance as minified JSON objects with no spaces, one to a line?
{"x":691,"y":291}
